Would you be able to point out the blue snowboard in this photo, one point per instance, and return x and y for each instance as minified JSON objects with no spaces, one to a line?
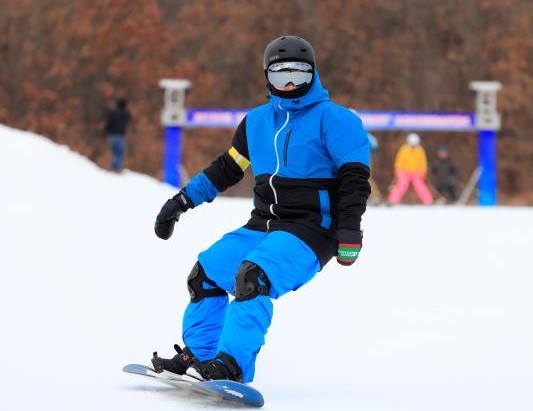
{"x":225,"y":389}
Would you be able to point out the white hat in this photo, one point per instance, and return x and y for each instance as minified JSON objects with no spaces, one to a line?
{"x":413,"y":139}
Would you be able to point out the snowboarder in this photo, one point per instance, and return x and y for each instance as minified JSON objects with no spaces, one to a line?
{"x":310,"y":160}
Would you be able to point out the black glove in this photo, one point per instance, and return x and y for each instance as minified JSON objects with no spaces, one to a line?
{"x":170,"y":214}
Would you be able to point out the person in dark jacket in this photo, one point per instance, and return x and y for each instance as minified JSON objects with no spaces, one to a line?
{"x":444,"y":174}
{"x":115,"y":128}
{"x":310,"y":160}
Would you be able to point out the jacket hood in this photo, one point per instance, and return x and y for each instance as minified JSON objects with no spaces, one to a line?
{"x":316,"y":94}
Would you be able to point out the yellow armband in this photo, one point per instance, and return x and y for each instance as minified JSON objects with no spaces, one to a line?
{"x":241,"y":161}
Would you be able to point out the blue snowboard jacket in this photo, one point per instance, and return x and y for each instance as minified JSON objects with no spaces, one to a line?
{"x":310,"y":160}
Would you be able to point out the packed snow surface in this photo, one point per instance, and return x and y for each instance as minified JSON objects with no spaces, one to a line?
{"x":437,"y":314}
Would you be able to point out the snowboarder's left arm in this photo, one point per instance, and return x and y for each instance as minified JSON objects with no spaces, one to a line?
{"x":348,"y":145}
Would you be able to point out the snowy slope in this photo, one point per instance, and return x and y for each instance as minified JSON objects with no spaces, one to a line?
{"x":436,"y":315}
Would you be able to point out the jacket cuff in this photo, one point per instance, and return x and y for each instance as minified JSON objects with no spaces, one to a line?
{"x":200,"y":190}
{"x":348,"y":236}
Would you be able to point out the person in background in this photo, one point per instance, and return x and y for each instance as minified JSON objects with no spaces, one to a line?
{"x":410,"y":167}
{"x":375,"y":194}
{"x":373,"y":141}
{"x":115,"y":128}
{"x":444,"y":174}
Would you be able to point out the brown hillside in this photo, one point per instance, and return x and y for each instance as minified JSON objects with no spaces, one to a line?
{"x":62,"y":63}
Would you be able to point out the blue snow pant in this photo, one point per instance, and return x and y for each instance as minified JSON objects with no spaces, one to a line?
{"x":211,"y":325}
{"x":117,"y":144}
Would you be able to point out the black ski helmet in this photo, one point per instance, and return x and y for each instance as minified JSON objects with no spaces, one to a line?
{"x":288,"y":48}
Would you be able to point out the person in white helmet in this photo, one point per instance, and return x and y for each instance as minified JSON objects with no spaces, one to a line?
{"x":410,"y":168}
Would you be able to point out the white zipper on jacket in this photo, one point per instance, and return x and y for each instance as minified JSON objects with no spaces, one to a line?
{"x":270,"y":180}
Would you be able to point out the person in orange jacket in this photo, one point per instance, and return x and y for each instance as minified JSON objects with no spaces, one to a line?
{"x":410,"y":167}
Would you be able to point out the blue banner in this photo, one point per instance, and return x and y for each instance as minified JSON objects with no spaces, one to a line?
{"x":417,"y":121}
{"x":214,"y":118}
{"x":373,"y":120}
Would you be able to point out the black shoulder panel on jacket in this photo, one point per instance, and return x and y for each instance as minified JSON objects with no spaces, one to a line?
{"x":240,"y":140}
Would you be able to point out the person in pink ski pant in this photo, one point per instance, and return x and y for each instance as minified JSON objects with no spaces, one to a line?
{"x":411,"y":168}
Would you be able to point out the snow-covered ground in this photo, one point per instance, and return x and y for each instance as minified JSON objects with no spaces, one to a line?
{"x":436,"y":315}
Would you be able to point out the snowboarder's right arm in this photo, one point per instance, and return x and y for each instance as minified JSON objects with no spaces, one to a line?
{"x":226,"y":171}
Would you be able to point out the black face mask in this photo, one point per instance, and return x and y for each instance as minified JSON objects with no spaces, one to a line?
{"x":296,"y":93}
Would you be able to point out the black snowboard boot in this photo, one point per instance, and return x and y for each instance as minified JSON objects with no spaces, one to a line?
{"x":178,"y":364}
{"x":222,"y":367}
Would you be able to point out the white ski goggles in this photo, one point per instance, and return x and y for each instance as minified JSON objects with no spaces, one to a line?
{"x":295,"y":72}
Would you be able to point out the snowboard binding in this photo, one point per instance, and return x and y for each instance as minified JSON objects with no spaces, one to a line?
{"x":177,"y":365}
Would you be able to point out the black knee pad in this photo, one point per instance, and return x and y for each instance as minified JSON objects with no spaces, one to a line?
{"x":250,"y":282}
{"x":195,"y":284}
